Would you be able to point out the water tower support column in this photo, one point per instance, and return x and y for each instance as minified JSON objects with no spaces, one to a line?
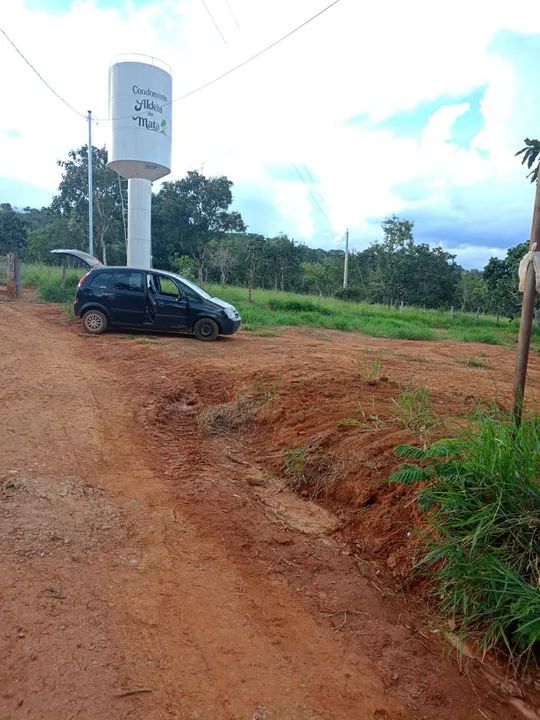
{"x":139,"y":247}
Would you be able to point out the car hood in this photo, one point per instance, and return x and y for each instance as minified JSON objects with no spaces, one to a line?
{"x":222,"y":303}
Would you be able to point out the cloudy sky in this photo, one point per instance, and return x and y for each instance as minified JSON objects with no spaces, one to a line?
{"x":380,"y":106}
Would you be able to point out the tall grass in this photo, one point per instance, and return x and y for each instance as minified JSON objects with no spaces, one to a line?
{"x":483,"y":495}
{"x":270,"y":310}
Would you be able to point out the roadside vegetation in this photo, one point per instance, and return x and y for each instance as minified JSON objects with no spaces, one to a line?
{"x":270,"y":310}
{"x":482,"y":498}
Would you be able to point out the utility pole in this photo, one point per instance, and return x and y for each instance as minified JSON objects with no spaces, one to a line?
{"x":527,"y":314}
{"x":346,"y":264}
{"x":90,"y":189}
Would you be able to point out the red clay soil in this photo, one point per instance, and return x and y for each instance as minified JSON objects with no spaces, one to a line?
{"x":153,"y":570}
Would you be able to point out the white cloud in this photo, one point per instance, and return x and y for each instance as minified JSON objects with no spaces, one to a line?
{"x":290,"y":105}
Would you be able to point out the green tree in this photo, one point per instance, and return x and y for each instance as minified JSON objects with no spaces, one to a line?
{"x":282,"y":262}
{"x":255,"y":257}
{"x":501,"y":277}
{"x":531,"y":154}
{"x":221,"y":258}
{"x":471,"y":290}
{"x":13,"y":233}
{"x":72,"y":199}
{"x":189,"y":214}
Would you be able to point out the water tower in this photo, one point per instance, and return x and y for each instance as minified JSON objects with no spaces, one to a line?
{"x":140,"y":95}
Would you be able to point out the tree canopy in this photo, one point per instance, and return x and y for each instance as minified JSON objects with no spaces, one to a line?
{"x":197,"y":232}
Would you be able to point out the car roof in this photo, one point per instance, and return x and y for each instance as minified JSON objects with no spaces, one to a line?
{"x":116,"y":268}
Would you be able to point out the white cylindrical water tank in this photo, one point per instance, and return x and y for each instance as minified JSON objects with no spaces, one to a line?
{"x":140,"y":95}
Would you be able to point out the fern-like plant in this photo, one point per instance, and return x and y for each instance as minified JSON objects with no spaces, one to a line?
{"x":483,"y":494}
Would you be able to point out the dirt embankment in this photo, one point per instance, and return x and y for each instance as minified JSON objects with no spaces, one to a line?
{"x":152,"y":570}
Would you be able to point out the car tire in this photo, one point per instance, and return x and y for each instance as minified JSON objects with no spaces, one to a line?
{"x":206,"y":329}
{"x":94,"y":321}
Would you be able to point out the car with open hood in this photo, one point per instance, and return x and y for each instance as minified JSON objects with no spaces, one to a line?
{"x":147,"y":299}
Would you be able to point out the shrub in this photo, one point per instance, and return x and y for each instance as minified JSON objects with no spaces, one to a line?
{"x":50,"y":290}
{"x":483,"y":494}
{"x":291,"y":305}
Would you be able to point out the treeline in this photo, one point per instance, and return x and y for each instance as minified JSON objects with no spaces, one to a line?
{"x":195,"y":233}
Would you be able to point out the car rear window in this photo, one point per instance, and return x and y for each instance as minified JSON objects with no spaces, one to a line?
{"x":132,"y":281}
{"x":100,"y":281}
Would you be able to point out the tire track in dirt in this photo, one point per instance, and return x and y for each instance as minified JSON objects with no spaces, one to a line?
{"x":168,"y":608}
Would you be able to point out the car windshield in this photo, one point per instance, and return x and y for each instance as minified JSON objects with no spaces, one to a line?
{"x":194,"y":287}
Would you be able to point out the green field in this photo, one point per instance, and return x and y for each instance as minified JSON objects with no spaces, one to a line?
{"x":271,"y":310}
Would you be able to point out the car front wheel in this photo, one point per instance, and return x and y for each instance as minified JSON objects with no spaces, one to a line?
{"x":206,"y":329}
{"x":94,"y":321}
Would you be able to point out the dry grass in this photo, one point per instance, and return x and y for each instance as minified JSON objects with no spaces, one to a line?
{"x":474,"y":361}
{"x":230,"y":417}
{"x":309,"y":472}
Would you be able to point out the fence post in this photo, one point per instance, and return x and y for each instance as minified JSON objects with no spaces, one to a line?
{"x":18,"y":278}
{"x":11,"y":284}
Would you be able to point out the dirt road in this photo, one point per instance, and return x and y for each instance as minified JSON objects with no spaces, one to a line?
{"x":149,"y":571}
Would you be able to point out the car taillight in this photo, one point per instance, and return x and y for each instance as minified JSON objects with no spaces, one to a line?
{"x":81,"y":281}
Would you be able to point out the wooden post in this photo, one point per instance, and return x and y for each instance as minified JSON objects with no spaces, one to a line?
{"x":452,"y":312}
{"x":401,"y":306}
{"x":527,"y":314}
{"x":18,"y":278}
{"x":11,"y":283}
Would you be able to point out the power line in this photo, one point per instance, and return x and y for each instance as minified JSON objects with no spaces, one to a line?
{"x":258,"y":54}
{"x":246,"y":61}
{"x":314,"y":182}
{"x":212,"y":18}
{"x":69,"y":105}
{"x":312,"y":196}
{"x":232,"y":14}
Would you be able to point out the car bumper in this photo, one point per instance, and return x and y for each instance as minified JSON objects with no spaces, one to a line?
{"x":229,"y":327}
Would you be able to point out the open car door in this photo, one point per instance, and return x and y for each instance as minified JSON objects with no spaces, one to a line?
{"x":89,"y":260}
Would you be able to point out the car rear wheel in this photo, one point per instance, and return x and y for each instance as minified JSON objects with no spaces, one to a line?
{"x":95,"y":321}
{"x":206,"y":329}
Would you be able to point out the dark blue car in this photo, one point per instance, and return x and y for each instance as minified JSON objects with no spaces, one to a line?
{"x":134,"y":298}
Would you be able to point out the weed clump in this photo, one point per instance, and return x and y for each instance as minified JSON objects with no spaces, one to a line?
{"x":483,"y":495}
{"x":474,"y":361}
{"x":308,"y":472}
{"x":229,"y":417}
{"x":413,"y":409}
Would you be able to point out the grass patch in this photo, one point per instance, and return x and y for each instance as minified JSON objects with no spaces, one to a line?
{"x":307,"y":472}
{"x":50,"y":289}
{"x":474,"y":362}
{"x":487,"y":409}
{"x":297,"y":305}
{"x":349,"y":423}
{"x":294,"y":466}
{"x":229,"y":417}
{"x":483,"y":494}
{"x":413,"y":409}
{"x":67,"y":309}
{"x":373,"y":374}
{"x":270,"y":310}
